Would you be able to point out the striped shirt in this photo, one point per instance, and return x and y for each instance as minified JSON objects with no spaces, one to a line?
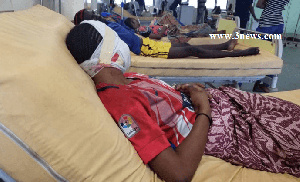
{"x":272,"y":14}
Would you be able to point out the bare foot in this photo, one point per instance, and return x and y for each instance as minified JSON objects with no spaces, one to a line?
{"x":231,"y":44}
{"x":233,"y":41}
{"x":251,"y":51}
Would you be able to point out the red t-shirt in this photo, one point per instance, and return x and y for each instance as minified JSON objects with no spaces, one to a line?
{"x":150,"y":113}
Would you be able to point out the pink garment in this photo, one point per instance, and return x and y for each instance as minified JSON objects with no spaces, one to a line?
{"x":156,"y":29}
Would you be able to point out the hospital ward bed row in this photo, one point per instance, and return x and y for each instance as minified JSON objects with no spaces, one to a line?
{"x":233,"y":71}
{"x":53,"y":126}
{"x":223,"y":70}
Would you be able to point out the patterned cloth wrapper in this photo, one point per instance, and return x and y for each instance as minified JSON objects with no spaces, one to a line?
{"x":182,"y":34}
{"x":255,"y":131}
{"x":196,"y":30}
{"x":167,"y":19}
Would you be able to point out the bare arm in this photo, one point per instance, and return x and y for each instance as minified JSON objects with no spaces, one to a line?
{"x":251,"y":9}
{"x":181,"y":164}
{"x":261,"y":4}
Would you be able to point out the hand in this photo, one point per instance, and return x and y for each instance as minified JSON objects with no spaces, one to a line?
{"x":198,"y":95}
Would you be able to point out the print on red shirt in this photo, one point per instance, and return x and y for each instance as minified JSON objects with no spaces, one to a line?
{"x":128,"y":125}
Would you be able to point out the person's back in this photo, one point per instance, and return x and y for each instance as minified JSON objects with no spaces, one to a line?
{"x":272,"y":17}
{"x":125,"y":33}
{"x":128,"y":36}
{"x":272,"y":14}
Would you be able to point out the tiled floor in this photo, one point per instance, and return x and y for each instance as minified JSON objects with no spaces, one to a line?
{"x":289,"y":79}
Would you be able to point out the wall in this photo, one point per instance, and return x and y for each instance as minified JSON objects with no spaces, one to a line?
{"x":6,"y":5}
{"x":291,"y":14}
{"x":68,"y":7}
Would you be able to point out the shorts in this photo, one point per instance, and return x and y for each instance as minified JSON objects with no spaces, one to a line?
{"x":276,"y":29}
{"x":152,"y":48}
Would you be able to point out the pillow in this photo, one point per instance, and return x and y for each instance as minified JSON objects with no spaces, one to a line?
{"x":51,"y":106}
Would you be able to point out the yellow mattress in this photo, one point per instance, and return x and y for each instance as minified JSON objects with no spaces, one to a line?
{"x":51,"y":107}
{"x":292,"y":96}
{"x":262,"y":64}
{"x":228,"y":25}
{"x":265,"y":63}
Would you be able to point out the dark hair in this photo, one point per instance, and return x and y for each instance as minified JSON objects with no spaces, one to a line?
{"x":128,"y":22}
{"x":79,"y":17}
{"x":82,"y":41}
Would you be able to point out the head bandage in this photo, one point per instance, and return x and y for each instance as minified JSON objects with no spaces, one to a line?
{"x":111,"y":51}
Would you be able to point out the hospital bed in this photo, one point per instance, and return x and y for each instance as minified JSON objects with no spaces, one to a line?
{"x":233,"y":71}
{"x":275,"y":46}
{"x":53,"y":126}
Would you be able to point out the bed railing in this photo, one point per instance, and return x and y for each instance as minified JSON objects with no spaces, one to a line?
{"x":271,"y":79}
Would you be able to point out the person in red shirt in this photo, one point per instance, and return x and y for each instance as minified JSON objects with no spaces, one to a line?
{"x":151,"y":138}
{"x":166,"y":121}
{"x":170,"y":127}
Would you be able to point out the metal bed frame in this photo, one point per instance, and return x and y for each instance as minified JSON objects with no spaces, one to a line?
{"x":5,"y":177}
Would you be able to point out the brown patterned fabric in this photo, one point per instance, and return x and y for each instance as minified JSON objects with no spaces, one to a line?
{"x":255,"y":131}
{"x":182,"y":34}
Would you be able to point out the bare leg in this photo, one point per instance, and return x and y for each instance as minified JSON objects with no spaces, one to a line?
{"x":193,"y":35}
{"x":229,"y":45}
{"x":182,"y":52}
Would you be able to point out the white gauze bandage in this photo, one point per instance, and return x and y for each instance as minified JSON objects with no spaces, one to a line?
{"x":111,"y":51}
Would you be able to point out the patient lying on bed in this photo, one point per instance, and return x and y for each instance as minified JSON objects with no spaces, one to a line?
{"x":172,"y":128}
{"x":175,"y":32}
{"x":159,"y":31}
{"x":152,"y":48}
